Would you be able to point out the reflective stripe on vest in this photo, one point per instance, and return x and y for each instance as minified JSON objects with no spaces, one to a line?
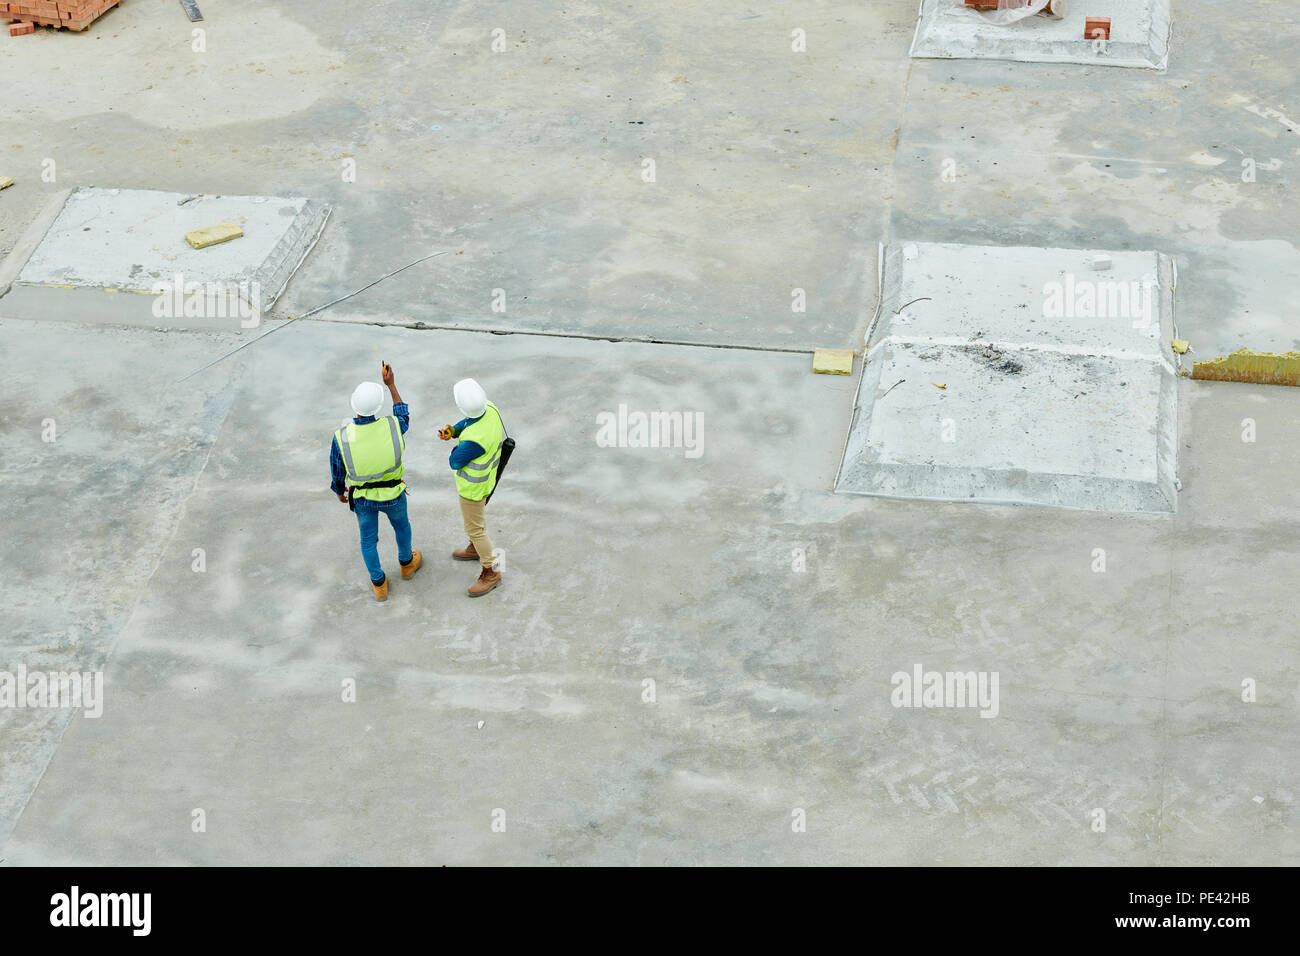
{"x":480,"y":472}
{"x":376,"y":450}
{"x":475,"y":480}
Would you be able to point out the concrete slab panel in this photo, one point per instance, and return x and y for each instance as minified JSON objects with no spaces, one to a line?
{"x":121,"y":256}
{"x":221,"y":690}
{"x":1139,"y":34}
{"x":1010,"y":374}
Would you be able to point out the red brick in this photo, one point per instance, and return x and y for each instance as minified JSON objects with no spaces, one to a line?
{"x":21,"y":29}
{"x":1093,"y":24}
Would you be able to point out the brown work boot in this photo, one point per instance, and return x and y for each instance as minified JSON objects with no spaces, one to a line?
{"x":380,"y":589}
{"x":487,"y":580}
{"x":466,"y":553}
{"x":410,"y":567}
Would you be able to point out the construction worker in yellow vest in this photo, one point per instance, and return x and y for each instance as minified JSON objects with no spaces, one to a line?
{"x":474,"y":460}
{"x":366,"y":463}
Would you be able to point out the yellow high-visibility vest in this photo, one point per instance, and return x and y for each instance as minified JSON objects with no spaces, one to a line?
{"x":373,"y":452}
{"x":476,"y":480}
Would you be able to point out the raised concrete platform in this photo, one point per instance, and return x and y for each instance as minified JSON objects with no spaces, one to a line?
{"x":120,"y":256}
{"x":1019,"y":375}
{"x":1139,"y":34}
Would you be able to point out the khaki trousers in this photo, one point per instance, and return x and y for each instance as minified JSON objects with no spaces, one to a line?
{"x":476,"y":528}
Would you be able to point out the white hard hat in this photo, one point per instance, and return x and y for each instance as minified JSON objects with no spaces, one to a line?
{"x":470,"y":397}
{"x":368,"y":398}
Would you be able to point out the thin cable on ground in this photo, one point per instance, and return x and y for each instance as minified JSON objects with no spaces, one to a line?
{"x":319,"y":308}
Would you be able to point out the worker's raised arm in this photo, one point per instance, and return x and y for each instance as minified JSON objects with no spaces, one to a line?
{"x":401,"y":411}
{"x":391,"y":382}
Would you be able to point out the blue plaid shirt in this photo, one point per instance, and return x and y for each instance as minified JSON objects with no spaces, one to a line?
{"x":338,"y":475}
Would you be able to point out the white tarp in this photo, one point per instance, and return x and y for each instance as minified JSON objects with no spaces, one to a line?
{"x":1009,"y":11}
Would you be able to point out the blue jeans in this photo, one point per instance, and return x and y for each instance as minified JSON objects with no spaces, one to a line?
{"x":368,"y":521}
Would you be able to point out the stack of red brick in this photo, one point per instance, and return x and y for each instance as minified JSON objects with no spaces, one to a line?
{"x":73,"y":14}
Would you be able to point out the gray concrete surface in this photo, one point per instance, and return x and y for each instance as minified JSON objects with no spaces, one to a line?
{"x":1014,"y":375}
{"x":134,"y":239}
{"x":120,"y":256}
{"x":1120,"y":689}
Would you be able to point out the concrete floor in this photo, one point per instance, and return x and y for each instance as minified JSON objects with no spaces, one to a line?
{"x":775,"y":170}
